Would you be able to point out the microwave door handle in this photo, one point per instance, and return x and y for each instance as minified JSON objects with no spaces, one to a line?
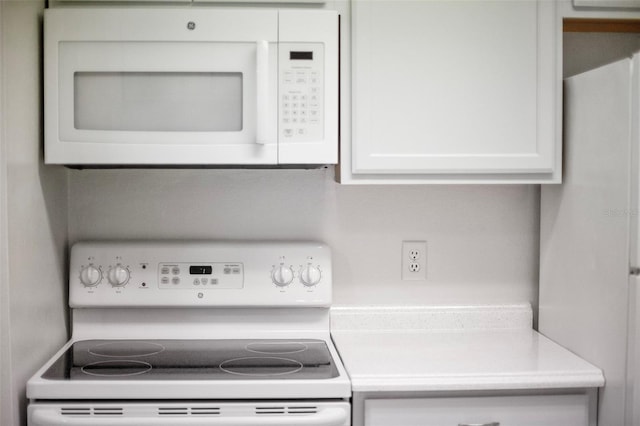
{"x":262,"y":92}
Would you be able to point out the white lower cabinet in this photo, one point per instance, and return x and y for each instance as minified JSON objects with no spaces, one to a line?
{"x":524,"y":410}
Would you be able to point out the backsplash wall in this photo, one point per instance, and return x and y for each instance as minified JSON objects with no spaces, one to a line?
{"x":482,"y":240}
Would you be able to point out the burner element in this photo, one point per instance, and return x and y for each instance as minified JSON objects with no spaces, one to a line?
{"x":116,"y":368}
{"x":261,"y":366}
{"x":277,"y":348}
{"x":126,"y":349}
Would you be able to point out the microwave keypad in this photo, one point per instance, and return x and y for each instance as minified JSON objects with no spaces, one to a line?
{"x":301,"y":102}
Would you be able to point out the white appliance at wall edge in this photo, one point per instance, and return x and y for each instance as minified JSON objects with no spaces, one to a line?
{"x":191,"y":86}
{"x":590,"y":235}
{"x":196,"y":333}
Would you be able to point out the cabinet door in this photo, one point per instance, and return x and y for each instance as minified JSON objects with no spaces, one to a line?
{"x":547,"y":410}
{"x":454,"y":87}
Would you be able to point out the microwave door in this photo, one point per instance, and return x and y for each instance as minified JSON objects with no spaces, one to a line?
{"x":164,"y":102}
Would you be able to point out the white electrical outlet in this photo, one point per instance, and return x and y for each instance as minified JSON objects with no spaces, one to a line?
{"x":414,"y":260}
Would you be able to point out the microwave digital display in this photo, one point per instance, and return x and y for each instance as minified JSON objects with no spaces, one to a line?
{"x":308,"y":56}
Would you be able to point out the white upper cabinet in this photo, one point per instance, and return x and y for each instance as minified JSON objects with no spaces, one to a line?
{"x":454,"y":91}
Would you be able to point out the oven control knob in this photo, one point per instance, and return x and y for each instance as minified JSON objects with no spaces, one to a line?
{"x":282,"y":275}
{"x":90,"y":276}
{"x":118,"y":275}
{"x":310,"y":275}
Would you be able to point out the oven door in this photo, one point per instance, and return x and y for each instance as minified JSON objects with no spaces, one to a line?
{"x":161,"y":87}
{"x":282,"y":413}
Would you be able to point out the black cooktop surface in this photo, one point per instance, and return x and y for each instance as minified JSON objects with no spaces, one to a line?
{"x":224,"y":359}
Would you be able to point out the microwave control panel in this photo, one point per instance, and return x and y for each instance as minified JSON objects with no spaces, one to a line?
{"x":301,"y":112}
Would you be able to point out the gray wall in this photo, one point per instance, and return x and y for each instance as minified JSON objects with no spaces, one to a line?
{"x":5,"y":371}
{"x":33,"y":293}
{"x":482,"y":240}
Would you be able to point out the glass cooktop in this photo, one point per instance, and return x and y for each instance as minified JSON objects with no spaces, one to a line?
{"x":194,"y":360}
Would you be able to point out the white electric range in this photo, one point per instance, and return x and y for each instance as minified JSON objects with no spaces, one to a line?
{"x":195,"y":333}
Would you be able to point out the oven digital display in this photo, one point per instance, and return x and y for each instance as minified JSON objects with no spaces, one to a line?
{"x":308,"y":56}
{"x":200,"y":270}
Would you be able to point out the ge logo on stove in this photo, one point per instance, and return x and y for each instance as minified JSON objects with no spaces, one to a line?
{"x":200,"y":295}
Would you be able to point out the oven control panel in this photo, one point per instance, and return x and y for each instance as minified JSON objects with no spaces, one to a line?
{"x":174,"y":275}
{"x":270,"y":274}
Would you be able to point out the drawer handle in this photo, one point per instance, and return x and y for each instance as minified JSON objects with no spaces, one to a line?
{"x":480,"y":424}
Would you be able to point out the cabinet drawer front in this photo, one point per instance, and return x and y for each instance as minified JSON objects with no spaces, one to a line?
{"x":543,"y":410}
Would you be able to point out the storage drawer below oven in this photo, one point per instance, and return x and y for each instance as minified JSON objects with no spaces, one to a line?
{"x":279,"y":413}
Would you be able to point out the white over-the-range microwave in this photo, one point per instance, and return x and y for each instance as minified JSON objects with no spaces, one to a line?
{"x":191,"y":86}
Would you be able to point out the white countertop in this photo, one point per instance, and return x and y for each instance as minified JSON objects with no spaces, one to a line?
{"x":453,"y":349}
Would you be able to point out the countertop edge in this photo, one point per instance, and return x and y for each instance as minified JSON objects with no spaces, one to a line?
{"x":474,"y":383}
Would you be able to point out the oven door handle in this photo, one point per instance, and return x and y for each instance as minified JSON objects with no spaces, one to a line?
{"x":50,"y":416}
{"x":262,"y":92}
